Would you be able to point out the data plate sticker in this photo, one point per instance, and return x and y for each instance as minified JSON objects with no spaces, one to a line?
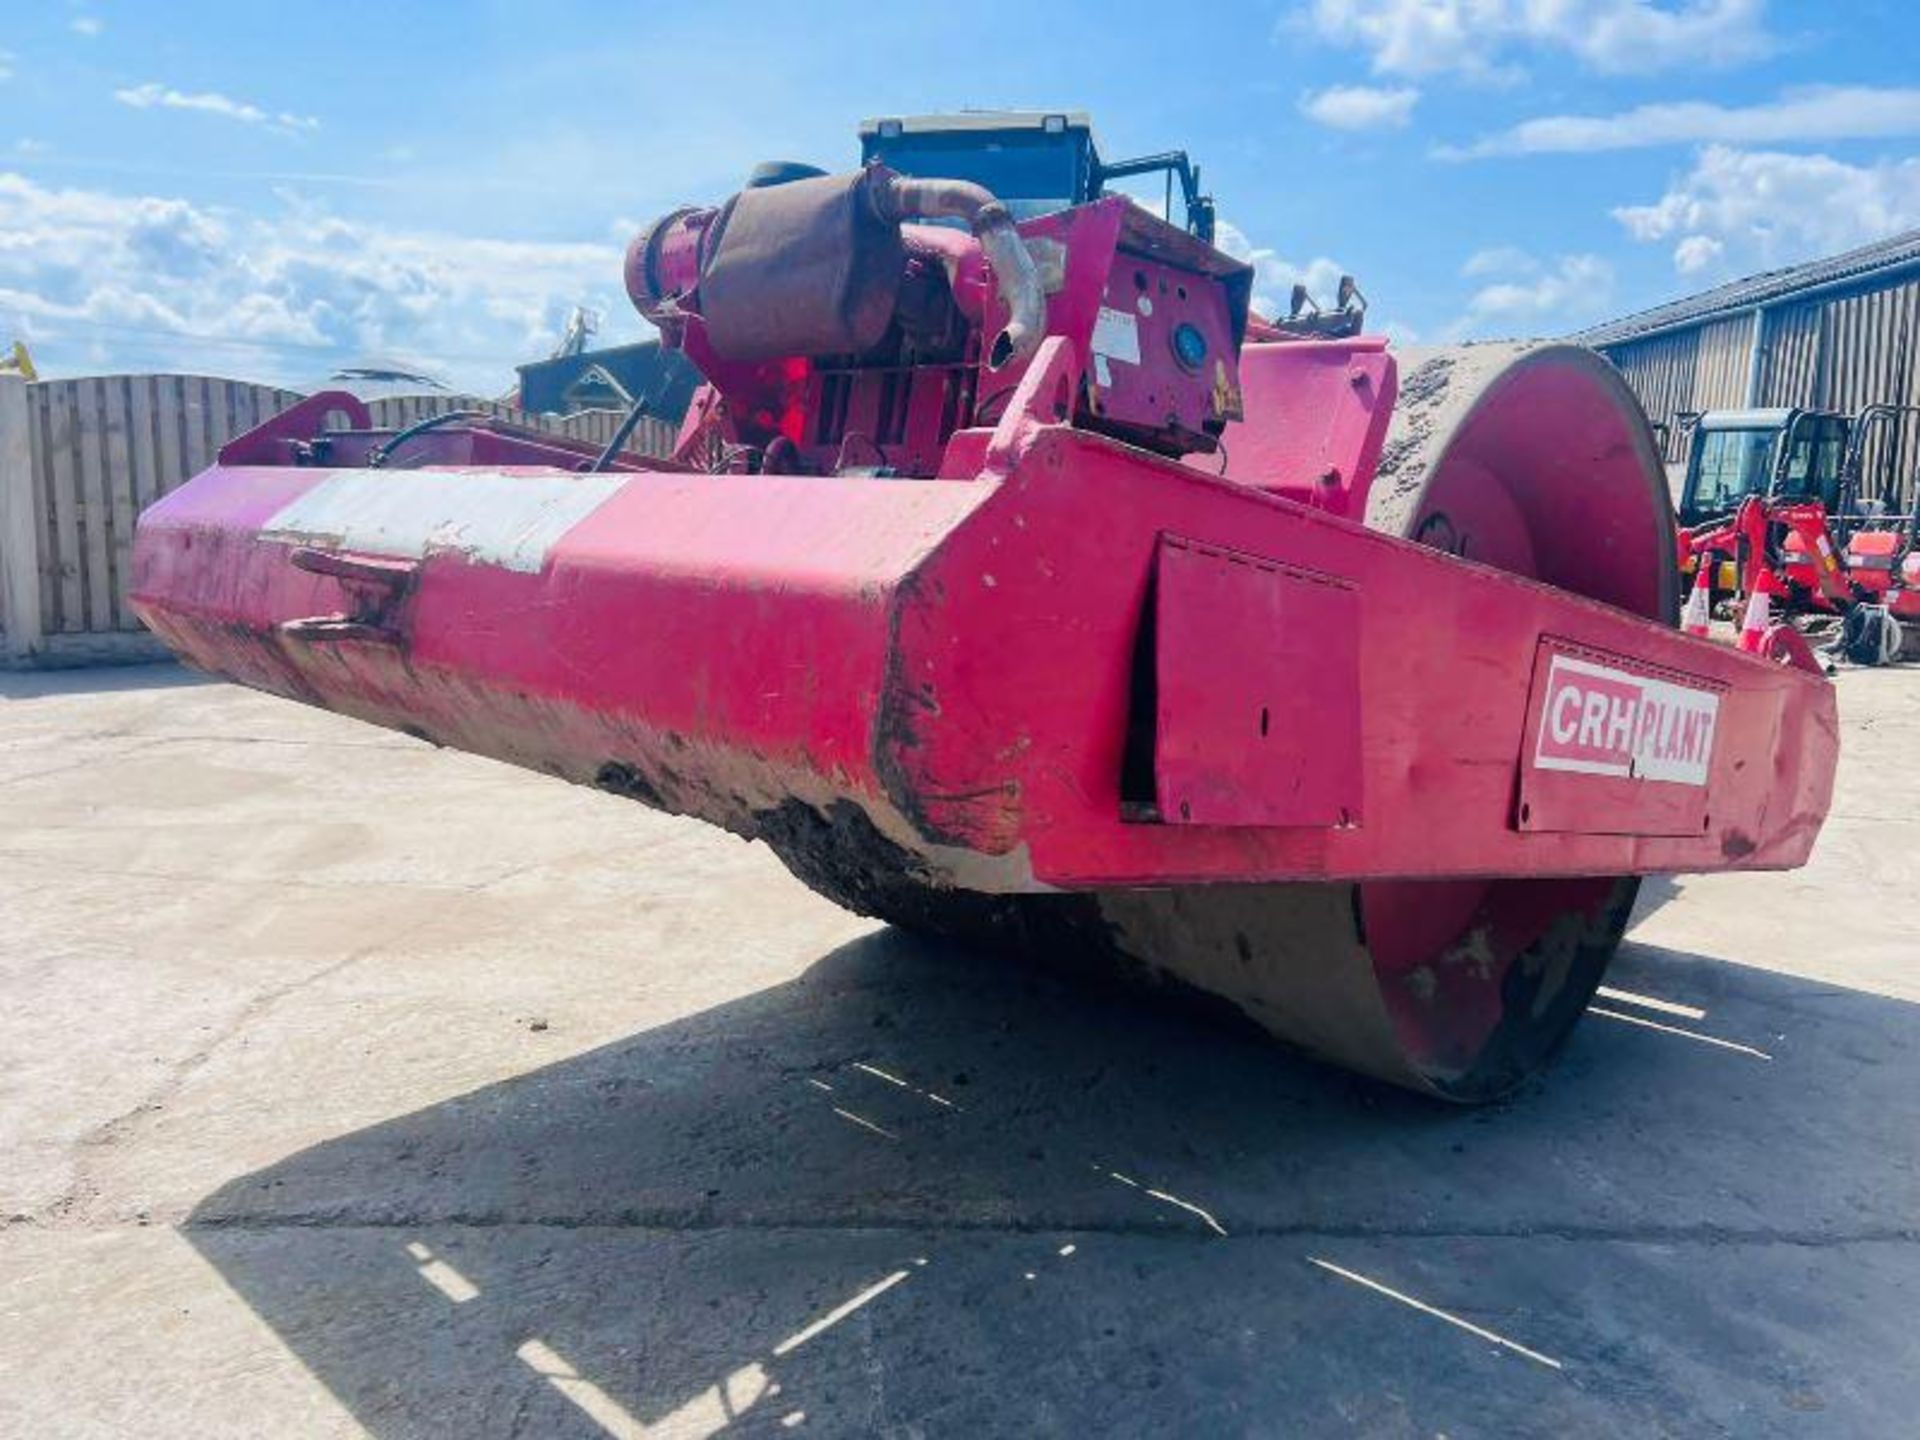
{"x":1116,"y":334}
{"x":1615,"y":748}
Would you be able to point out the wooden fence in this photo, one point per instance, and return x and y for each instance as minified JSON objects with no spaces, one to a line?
{"x":79,"y":460}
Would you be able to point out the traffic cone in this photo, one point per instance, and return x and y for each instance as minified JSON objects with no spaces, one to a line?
{"x":1759,"y":615}
{"x":1698,"y":615}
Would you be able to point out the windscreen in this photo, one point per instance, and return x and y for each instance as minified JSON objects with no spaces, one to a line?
{"x":1813,"y":459}
{"x":1733,"y":465}
{"x":1033,"y":171}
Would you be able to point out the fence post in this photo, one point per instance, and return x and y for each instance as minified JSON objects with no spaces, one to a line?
{"x":19,"y":525}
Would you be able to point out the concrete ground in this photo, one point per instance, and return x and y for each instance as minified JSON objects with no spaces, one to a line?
{"x":349,"y":1086}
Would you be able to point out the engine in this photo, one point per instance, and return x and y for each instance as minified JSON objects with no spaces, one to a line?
{"x":851,"y":324}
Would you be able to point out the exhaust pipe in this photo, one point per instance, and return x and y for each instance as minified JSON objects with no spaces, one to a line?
{"x":900,"y":197}
{"x":812,"y":267}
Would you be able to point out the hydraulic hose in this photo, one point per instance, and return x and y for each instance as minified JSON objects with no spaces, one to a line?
{"x":379,"y":457}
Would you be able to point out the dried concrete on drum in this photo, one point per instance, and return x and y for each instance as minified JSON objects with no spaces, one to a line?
{"x":349,"y":1086}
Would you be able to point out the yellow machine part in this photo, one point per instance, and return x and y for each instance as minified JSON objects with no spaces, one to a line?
{"x":1725,"y":577}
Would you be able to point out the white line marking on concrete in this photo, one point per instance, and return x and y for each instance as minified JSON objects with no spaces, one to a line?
{"x":1205,"y":1216}
{"x":718,"y":1406}
{"x":442,"y":1276}
{"x":1187,"y":1205}
{"x":1437,"y":1313}
{"x":864,"y":1123}
{"x":891,"y":1079}
{"x":598,"y":1406}
{"x":839,"y":1312}
{"x":1651,"y":1002}
{"x":1676,"y":1030}
{"x":449,"y":1281}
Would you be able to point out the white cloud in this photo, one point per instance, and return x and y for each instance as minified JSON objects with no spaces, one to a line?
{"x":212,"y":102}
{"x":104,"y":280}
{"x":87,"y":25}
{"x":6,"y":65}
{"x":1360,"y":107}
{"x":1274,"y":277}
{"x":1535,"y":297}
{"x":1822,"y":113}
{"x":1764,"y":208}
{"x":1480,"y":37}
{"x":1501,"y":260}
{"x":1697,"y":253}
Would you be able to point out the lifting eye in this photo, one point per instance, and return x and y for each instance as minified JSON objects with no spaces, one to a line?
{"x":1189,"y":345}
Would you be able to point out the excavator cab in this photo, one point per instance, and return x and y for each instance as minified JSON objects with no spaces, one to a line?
{"x":1785,"y":454}
{"x":1835,"y":530}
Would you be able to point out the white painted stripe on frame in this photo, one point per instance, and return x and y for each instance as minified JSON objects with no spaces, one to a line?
{"x":512,"y":521}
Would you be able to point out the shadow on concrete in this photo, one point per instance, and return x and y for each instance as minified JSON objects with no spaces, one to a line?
{"x":917,"y":1191}
{"x":1656,"y":893}
{"x":98,"y":680}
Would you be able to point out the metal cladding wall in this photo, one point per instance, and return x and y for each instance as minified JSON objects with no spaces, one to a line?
{"x":1839,"y":349}
{"x":1703,"y":367}
{"x":1845,"y":351}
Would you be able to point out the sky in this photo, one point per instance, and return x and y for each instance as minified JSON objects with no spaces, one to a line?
{"x":272,"y":191}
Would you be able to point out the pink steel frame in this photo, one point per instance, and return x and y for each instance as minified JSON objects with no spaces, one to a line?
{"x":962,"y":657}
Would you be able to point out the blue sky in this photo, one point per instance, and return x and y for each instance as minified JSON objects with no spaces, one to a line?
{"x":269,"y":191}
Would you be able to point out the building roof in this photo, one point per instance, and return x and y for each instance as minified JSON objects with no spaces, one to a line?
{"x":1898,"y":252}
{"x":665,"y":377}
{"x":377,"y":380}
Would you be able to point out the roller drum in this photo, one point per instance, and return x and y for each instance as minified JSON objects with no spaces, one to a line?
{"x":1536,"y":460}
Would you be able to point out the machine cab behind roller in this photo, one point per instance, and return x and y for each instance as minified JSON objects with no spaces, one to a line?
{"x":1786,"y":453}
{"x":1825,"y":501}
{"x":1034,"y":161}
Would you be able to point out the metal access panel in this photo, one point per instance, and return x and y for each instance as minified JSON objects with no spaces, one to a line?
{"x":1258,"y":691}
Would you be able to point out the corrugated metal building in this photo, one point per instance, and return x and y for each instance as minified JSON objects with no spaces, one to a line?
{"x":1834,"y":334}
